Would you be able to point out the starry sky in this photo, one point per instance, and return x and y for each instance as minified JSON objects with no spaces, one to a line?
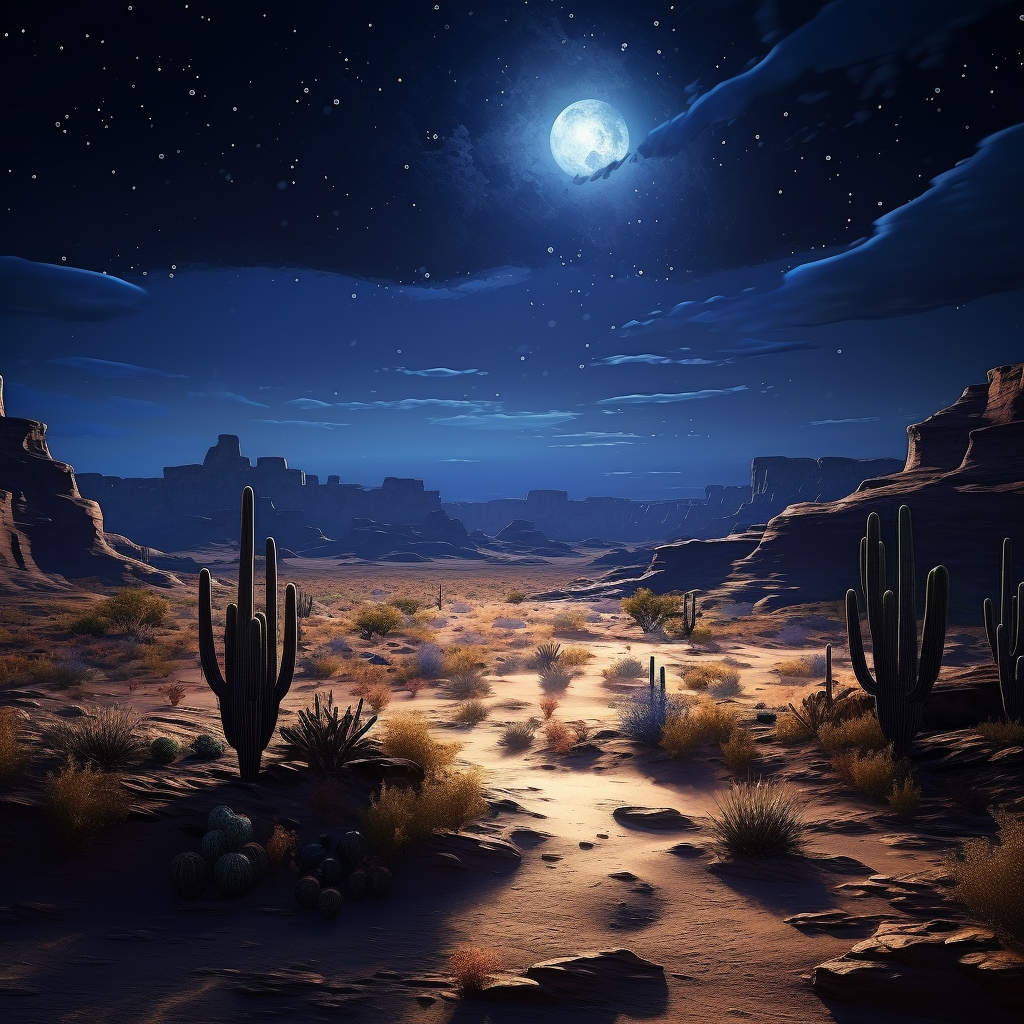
{"x":339,"y":232}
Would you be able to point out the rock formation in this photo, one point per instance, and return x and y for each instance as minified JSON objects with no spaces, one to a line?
{"x":964,"y":483}
{"x":49,"y":533}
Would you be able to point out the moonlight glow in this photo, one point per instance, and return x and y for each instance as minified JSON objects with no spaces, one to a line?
{"x":587,"y":135}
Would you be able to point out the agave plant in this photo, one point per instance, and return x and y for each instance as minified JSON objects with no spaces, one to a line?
{"x":324,"y":739}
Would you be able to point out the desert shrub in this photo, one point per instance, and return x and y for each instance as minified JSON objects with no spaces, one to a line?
{"x":904,"y":798}
{"x":61,"y":673}
{"x":1009,"y":734}
{"x":789,"y":729}
{"x":406,"y":605}
{"x":467,"y":685}
{"x":509,"y":666}
{"x":692,"y":725}
{"x":472,"y":967}
{"x":571,"y":620}
{"x":322,"y":665}
{"x":800,"y":667}
{"x":874,"y":773}
{"x":364,"y":675}
{"x":740,"y":750}
{"x":471,"y":712}
{"x":378,"y":697}
{"x":548,"y":705}
{"x":14,"y":755}
{"x":15,"y":669}
{"x":460,"y":660}
{"x":108,"y":738}
{"x":759,"y":819}
{"x":545,"y":655}
{"x":207,"y":746}
{"x":134,"y":611}
{"x":989,"y":878}
{"x":515,"y":597}
{"x":408,"y":736}
{"x":555,"y":678}
{"x":716,"y":677}
{"x":88,"y":624}
{"x":862,"y":732}
{"x":81,"y":801}
{"x":649,"y":610}
{"x":415,"y":684}
{"x":324,"y":738}
{"x":701,"y":634}
{"x":626,"y":668}
{"x":963,"y":791}
{"x":398,"y":816}
{"x":560,"y":737}
{"x":575,"y":657}
{"x":643,"y":715}
{"x":518,"y":735}
{"x":381,"y":619}
{"x":174,"y":693}
{"x":280,"y":846}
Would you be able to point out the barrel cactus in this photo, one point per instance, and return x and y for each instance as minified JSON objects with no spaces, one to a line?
{"x":351,"y":849}
{"x":216,"y":818}
{"x":233,"y":875}
{"x":257,"y":857}
{"x":311,"y":856}
{"x":164,"y":749}
{"x":237,"y":830}
{"x":215,"y":845}
{"x":380,"y":882}
{"x":329,"y":903}
{"x":189,"y":875}
{"x":206,"y":746}
{"x":359,"y":884}
{"x":307,"y":892}
{"x":331,"y":872}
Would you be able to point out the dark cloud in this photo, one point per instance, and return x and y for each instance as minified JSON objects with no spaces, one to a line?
{"x":64,"y":293}
{"x":107,"y":368}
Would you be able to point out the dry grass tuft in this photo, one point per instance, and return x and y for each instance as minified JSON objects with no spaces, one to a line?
{"x":560,"y":737}
{"x":548,"y":705}
{"x":82,"y":801}
{"x":875,"y":773}
{"x":472,"y":967}
{"x":626,"y":668}
{"x":555,"y":678}
{"x":702,"y":722}
{"x":802,"y":668}
{"x":108,"y":738}
{"x":467,"y":685}
{"x":571,"y":620}
{"x":863,"y":732}
{"x":407,"y":736}
{"x":575,"y":657}
{"x":904,"y":799}
{"x":716,"y":677}
{"x":280,"y":846}
{"x":322,"y":665}
{"x":1009,"y":734}
{"x":989,"y":878}
{"x":14,"y":755}
{"x":378,"y":696}
{"x":518,"y":735}
{"x":471,"y":712}
{"x":740,"y":750}
{"x":759,"y":819}
{"x":789,"y":729}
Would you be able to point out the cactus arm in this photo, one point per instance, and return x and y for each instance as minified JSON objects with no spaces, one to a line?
{"x":230,"y":629}
{"x":290,"y":644}
{"x":933,"y":634}
{"x":859,"y":662}
{"x":271,"y":610}
{"x":906,"y":631}
{"x":207,"y":649}
{"x":1016,"y":639}
{"x":990,"y":628}
{"x":246,"y":555}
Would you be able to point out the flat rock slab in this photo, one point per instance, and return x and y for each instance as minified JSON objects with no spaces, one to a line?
{"x":595,"y":973}
{"x":511,"y":988}
{"x":828,"y":919}
{"x":661,"y":819}
{"x":485,"y":853}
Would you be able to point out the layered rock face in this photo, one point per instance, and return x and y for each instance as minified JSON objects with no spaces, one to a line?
{"x":964,"y":483}
{"x":49,"y":533}
{"x":194,"y":505}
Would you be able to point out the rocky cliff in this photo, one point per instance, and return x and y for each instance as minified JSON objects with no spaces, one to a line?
{"x":49,"y":533}
{"x":964,"y":483}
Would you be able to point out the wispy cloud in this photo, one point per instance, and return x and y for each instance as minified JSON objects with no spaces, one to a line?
{"x":459,"y":460}
{"x":439,"y":371}
{"x":600,"y":434}
{"x":321,"y":424}
{"x":652,"y":360}
{"x":490,"y":280}
{"x":418,"y":403}
{"x":226,"y":396}
{"x":663,"y":399}
{"x":758,"y":347}
{"x":107,"y":368}
{"x":592,"y":444}
{"x":506,"y":420}
{"x":848,"y":419}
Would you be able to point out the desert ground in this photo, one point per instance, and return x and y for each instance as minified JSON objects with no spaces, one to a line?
{"x":95,"y":933}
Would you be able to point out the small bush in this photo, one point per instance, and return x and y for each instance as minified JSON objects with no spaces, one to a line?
{"x":572,"y":620}
{"x":862,"y":732}
{"x":406,"y":605}
{"x":1008,"y":734}
{"x":874,"y":773}
{"x":510,"y":666}
{"x":555,"y":678}
{"x":904,"y":798}
{"x":14,"y":755}
{"x":649,"y":610}
{"x":989,"y":878}
{"x":575,"y":657}
{"x":716,"y":677}
{"x":548,"y":705}
{"x":801,"y":668}
{"x":430,"y":661}
{"x":701,"y":634}
{"x":206,"y":746}
{"x":164,"y":749}
{"x":472,"y":967}
{"x":560,"y":737}
{"x":740,"y":750}
{"x":759,"y":819}
{"x":280,"y":847}
{"x":518,"y":735}
{"x":515,"y":597}
{"x":972,"y":798}
{"x":692,"y":726}
{"x":82,"y":801}
{"x":415,"y":684}
{"x":459,"y":660}
{"x":545,"y":655}
{"x":174,"y":693}
{"x":108,"y":738}
{"x":789,"y":729}
{"x":407,"y":736}
{"x":381,"y":619}
{"x":626,"y":668}
{"x":88,"y":624}
{"x":377,"y":697}
{"x":322,"y":665}
{"x":467,"y":685}
{"x":134,"y":612}
{"x":471,"y":712}
{"x":643,"y":719}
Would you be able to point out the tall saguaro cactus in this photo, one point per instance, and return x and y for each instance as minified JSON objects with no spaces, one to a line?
{"x":1006,"y":638}
{"x":903,"y":677}
{"x":251,"y":688}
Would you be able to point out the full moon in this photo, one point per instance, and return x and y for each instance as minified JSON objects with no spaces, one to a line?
{"x":587,"y":135}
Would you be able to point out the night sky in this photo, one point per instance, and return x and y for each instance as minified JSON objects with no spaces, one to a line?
{"x":339,"y":232}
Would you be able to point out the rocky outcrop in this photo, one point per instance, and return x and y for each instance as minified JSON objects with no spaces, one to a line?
{"x":49,"y":533}
{"x":964,"y":483}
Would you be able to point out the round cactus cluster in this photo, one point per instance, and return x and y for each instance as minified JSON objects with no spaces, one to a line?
{"x":228,"y":855}
{"x":326,"y":876}
{"x":206,"y":746}
{"x":164,"y":749}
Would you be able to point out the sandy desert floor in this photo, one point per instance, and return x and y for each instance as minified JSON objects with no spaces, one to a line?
{"x":98,"y":935}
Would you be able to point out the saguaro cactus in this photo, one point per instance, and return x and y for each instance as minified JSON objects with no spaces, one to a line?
{"x":251,"y":688}
{"x":903,"y":677}
{"x":1006,"y":638}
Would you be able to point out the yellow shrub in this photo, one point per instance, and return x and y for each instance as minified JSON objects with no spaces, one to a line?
{"x":472,"y":967}
{"x":715,"y":676}
{"x":863,"y":733}
{"x":572,"y":620}
{"x":407,"y":736}
{"x":800,"y":667}
{"x":740,"y":750}
{"x":904,"y":798}
{"x":1009,"y":734}
{"x":575,"y":657}
{"x":703,"y":722}
{"x":14,"y":754}
{"x":81,"y":801}
{"x":561,"y":739}
{"x":458,"y":661}
{"x":874,"y":773}
{"x":789,"y":729}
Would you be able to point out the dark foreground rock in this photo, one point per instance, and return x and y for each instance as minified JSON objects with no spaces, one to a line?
{"x":661,"y":819}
